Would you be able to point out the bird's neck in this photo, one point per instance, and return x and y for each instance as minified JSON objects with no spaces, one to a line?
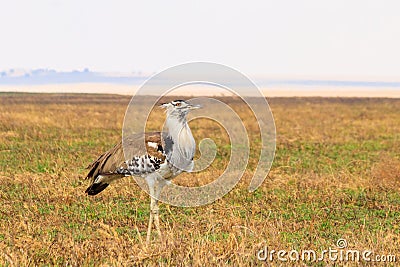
{"x":179,"y":130}
{"x":177,"y":127}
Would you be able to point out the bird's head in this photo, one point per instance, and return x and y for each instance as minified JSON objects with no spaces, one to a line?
{"x":179,"y":108}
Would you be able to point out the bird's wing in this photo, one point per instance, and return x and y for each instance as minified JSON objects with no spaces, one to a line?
{"x":111,"y":161}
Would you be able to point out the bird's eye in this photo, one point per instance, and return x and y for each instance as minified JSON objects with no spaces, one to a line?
{"x":177,"y":104}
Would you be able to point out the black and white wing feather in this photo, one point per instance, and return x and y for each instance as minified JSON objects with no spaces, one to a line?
{"x":142,"y":160}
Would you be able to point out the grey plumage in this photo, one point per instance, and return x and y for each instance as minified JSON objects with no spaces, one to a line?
{"x":165,"y":156}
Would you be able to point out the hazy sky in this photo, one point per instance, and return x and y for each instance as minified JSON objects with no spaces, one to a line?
{"x":353,"y":38}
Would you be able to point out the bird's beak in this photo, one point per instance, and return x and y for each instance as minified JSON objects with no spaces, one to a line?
{"x":163,"y":105}
{"x":195,"y":106}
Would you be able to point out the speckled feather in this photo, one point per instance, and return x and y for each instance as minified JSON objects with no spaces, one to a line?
{"x":111,"y":165}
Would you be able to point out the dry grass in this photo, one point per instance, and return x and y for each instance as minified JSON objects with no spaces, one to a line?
{"x":336,"y":175}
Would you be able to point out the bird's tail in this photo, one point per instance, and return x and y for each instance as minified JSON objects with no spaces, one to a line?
{"x":101,"y":182}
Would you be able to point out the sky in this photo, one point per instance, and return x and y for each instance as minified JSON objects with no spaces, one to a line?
{"x":299,"y":38}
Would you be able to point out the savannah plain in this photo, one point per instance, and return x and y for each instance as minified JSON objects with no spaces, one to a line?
{"x":336,"y":174}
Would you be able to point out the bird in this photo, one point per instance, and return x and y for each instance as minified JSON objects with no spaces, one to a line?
{"x":167,"y":154}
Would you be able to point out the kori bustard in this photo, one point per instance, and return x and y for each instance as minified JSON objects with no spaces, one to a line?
{"x":167,"y":154}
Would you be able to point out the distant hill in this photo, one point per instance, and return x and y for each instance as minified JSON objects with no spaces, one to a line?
{"x":49,"y":76}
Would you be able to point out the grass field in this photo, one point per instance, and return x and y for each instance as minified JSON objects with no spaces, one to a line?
{"x":336,"y":175}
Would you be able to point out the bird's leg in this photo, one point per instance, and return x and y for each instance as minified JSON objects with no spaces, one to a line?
{"x":152,"y":185}
{"x":150,"y":220}
{"x":157,"y":192}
